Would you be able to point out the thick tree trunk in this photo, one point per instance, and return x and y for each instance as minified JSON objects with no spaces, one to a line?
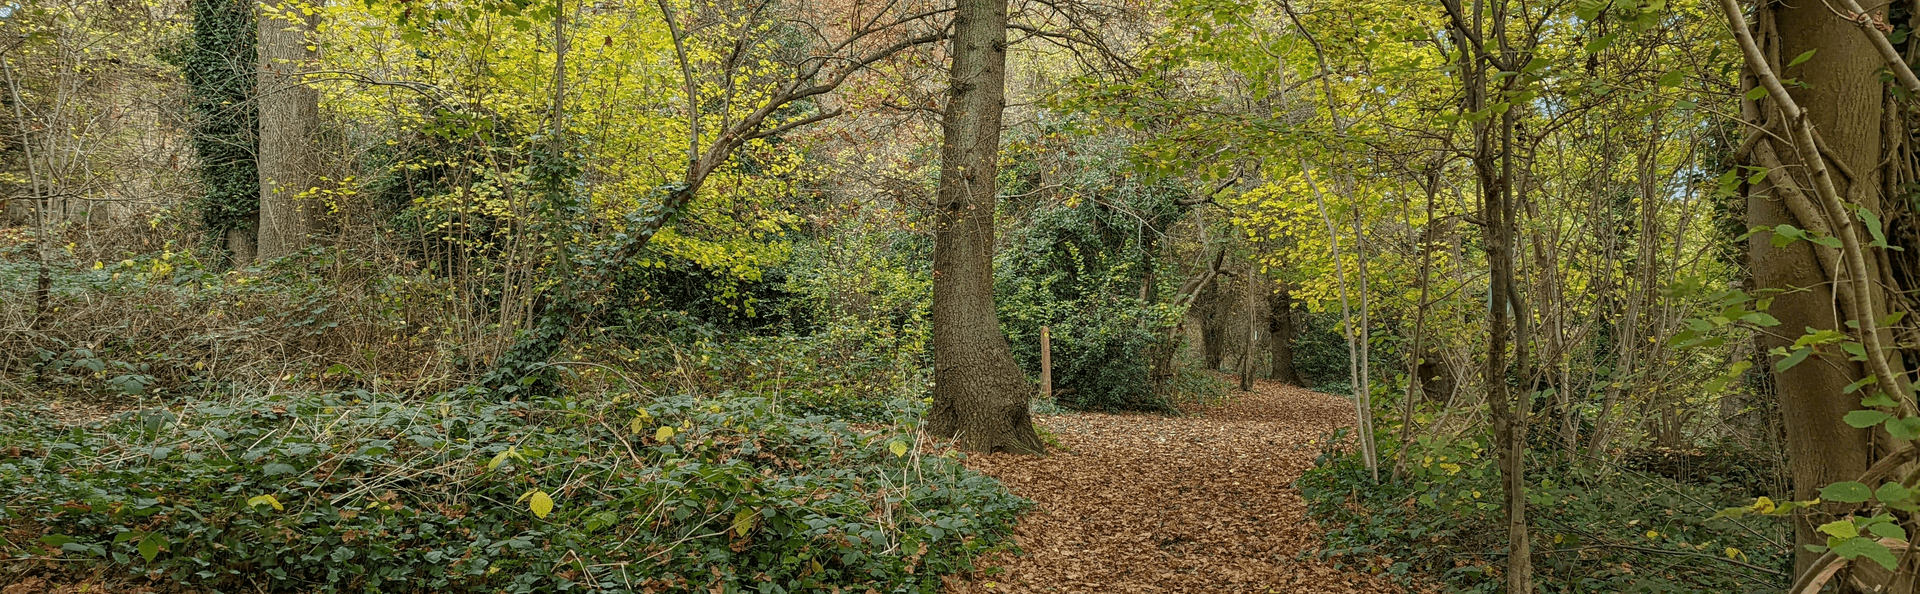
{"x":1213,"y":325}
{"x":979,"y":394}
{"x":289,"y":128}
{"x":1842,"y":97}
{"x":1280,"y":330}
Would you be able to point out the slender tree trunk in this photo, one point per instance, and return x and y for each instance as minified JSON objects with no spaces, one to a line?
{"x":1363,"y":411}
{"x":1494,"y":175}
{"x":1414,"y":387}
{"x":980,"y":396}
{"x":1253,"y":332}
{"x":42,"y":208}
{"x":289,"y":157}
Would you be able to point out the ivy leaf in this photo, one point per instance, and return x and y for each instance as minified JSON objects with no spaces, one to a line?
{"x":541,"y":504}
{"x":743,"y":521}
{"x":57,"y":540}
{"x":1861,"y":419}
{"x":150,"y":545}
{"x":1845,"y":492}
{"x":266,"y":500}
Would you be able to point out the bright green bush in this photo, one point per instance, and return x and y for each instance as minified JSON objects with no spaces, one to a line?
{"x":362,"y":492}
{"x":1592,"y":531}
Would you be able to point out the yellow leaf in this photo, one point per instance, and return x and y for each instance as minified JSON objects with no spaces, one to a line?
{"x":266,"y":500}
{"x":638,"y":425}
{"x":743,"y":521}
{"x":1653,"y":534}
{"x":541,"y":504}
{"x":665,"y":433}
{"x":1733,"y":553}
{"x":1763,"y":505}
{"x":899,"y":448}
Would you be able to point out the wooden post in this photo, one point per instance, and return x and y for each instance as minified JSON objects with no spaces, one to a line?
{"x":1046,"y":363}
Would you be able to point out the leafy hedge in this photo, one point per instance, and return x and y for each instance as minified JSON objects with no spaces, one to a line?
{"x":362,"y":492}
{"x":1593,"y":532}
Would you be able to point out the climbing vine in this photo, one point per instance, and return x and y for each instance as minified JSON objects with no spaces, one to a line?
{"x":218,"y":60}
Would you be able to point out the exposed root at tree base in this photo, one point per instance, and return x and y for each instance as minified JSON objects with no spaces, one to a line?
{"x":1203,"y":504}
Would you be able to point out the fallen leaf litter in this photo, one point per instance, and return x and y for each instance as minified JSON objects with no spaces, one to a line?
{"x":1200,"y":504}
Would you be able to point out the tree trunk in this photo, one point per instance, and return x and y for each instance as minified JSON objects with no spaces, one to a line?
{"x":1493,"y":168}
{"x":1280,"y":330}
{"x":1842,"y":98}
{"x":1213,"y":325}
{"x":289,"y":128}
{"x":219,"y":70}
{"x":1253,"y":332}
{"x":980,"y":396}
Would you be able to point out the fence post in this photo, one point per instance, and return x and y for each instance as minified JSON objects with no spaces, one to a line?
{"x":1046,"y":363}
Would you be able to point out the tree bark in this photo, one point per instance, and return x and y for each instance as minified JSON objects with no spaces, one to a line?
{"x":1213,"y":325}
{"x":1280,"y":330}
{"x":289,"y":128}
{"x":980,"y":396}
{"x":1842,"y":100}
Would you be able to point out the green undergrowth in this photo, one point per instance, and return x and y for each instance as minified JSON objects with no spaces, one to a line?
{"x":1594,"y":531}
{"x":365,"y":492}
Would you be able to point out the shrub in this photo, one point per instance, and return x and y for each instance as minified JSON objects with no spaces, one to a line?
{"x":1592,"y":531}
{"x":366,"y":492}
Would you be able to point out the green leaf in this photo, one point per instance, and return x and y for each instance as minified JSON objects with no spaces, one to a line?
{"x":500,"y":458}
{"x":149,"y":546}
{"x":1799,"y":354}
{"x":899,"y":448}
{"x":1860,"y":383}
{"x":1891,"y":492}
{"x":743,"y":521}
{"x":1906,"y":429}
{"x":1878,"y":399}
{"x":1856,"y":547}
{"x":57,"y":540}
{"x":1840,"y":529}
{"x":1671,"y":79}
{"x":1846,"y":492}
{"x":1802,"y":58}
{"x":1888,"y":530}
{"x":1861,"y":419}
{"x":541,"y":504}
{"x":1756,"y":93}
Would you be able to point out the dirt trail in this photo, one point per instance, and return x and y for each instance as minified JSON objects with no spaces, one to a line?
{"x":1201,"y":504}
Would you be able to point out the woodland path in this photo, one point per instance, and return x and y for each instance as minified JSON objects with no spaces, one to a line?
{"x":1200,"y":504}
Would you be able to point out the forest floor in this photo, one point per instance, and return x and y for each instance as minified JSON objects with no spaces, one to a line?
{"x":1198,"y":504}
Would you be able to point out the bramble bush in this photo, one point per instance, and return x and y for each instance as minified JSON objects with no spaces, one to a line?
{"x":366,"y":492}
